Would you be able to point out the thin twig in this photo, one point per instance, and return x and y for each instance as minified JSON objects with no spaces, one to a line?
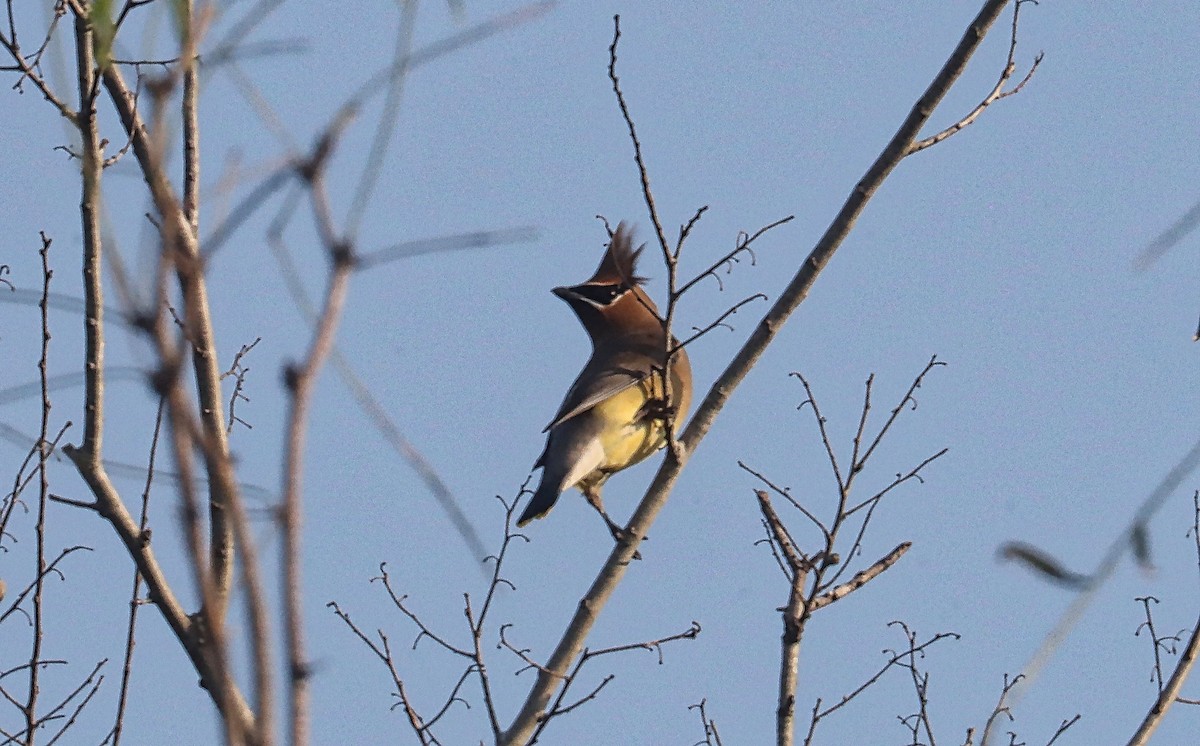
{"x":895,"y":659}
{"x":720,"y":321}
{"x":30,"y":706}
{"x":741,"y":246}
{"x":997,"y":91}
{"x":643,"y":173}
{"x":711,"y":736}
{"x":51,"y":568}
{"x":91,"y":692}
{"x":238,"y":371}
{"x":383,"y":651}
{"x":135,"y":599}
{"x":557,"y":708}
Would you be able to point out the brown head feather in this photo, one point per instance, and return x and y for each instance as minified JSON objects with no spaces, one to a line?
{"x":620,"y":261}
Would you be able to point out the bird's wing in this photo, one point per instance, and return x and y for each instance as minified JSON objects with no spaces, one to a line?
{"x":601,"y":380}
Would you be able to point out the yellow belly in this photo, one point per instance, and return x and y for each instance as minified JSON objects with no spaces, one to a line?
{"x":629,"y":435}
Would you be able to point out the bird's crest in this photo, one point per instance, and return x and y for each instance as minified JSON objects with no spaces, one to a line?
{"x":619,"y":265}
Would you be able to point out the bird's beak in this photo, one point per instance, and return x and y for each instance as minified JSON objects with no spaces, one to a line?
{"x":563,"y":292}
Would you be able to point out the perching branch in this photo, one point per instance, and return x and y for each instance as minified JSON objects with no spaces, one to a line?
{"x":613,"y":571}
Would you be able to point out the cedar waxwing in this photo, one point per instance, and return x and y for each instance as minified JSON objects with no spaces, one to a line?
{"x":613,"y":415}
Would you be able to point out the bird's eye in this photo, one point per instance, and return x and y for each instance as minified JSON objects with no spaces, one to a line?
{"x":615,"y":291}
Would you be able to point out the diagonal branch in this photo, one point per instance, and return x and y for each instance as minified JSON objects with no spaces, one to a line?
{"x":796,"y":291}
{"x":860,"y":578}
{"x":26,"y":68}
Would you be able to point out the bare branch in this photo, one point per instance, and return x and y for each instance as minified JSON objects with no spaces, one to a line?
{"x":797,"y":289}
{"x":711,"y":736}
{"x":996,"y":93}
{"x":28,"y":71}
{"x":643,"y":174}
{"x":742,"y":246}
{"x":860,"y":578}
{"x":686,"y":229}
{"x":1169,"y":693}
{"x":476,"y":623}
{"x":51,"y":568}
{"x":30,"y":707}
{"x":895,"y":659}
{"x":425,"y":631}
{"x":557,"y":707}
{"x":383,"y":651}
{"x":786,"y":494}
{"x":179,"y":249}
{"x":301,"y":381}
{"x":813,"y":580}
{"x":55,"y":713}
{"x":780,"y":536}
{"x":721,"y":319}
{"x":135,"y":601}
{"x":238,"y":371}
{"x":811,"y":400}
{"x":908,"y":399}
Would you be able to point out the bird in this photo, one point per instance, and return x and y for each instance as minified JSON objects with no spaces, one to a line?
{"x":614,"y":414}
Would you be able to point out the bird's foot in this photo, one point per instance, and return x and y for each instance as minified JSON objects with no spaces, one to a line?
{"x":659,"y":409}
{"x":621,"y":536}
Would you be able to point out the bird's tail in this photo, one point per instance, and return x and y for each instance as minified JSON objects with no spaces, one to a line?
{"x":542,"y":501}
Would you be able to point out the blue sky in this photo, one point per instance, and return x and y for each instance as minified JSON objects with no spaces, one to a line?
{"x":1007,"y":251}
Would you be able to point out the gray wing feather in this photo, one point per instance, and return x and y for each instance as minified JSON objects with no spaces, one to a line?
{"x":602,"y":379}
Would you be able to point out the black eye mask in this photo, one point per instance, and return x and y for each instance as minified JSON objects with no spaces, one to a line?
{"x":601,"y":295}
